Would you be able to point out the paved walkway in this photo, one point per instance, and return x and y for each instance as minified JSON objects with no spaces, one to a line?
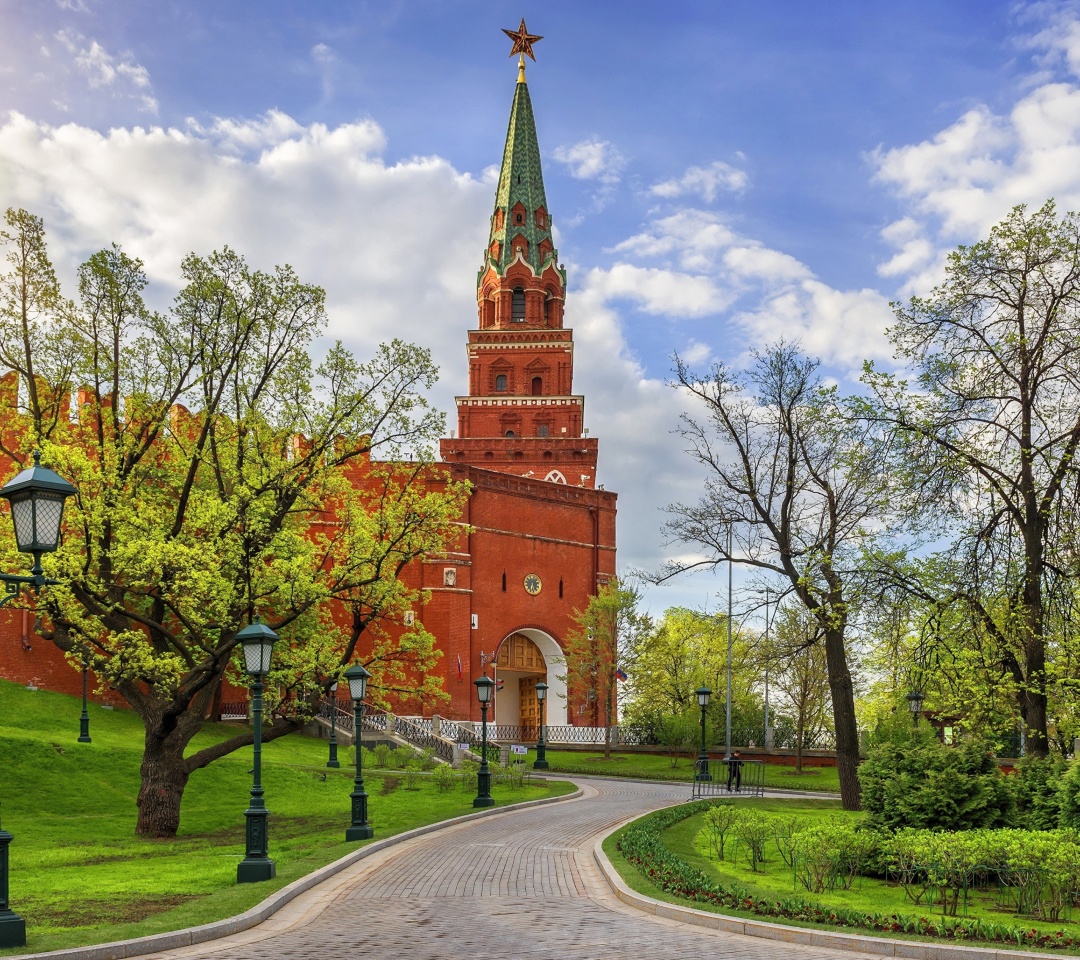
{"x":521,"y":885}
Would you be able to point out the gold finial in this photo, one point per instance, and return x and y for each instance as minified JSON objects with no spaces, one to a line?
{"x":523,"y":44}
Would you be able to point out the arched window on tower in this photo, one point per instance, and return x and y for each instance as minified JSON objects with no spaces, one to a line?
{"x":517,"y":305}
{"x":547,"y":308}
{"x":500,"y":381}
{"x":537,"y":386}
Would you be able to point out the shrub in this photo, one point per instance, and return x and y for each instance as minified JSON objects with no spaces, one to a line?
{"x":382,"y":753}
{"x":411,"y":769}
{"x":444,"y":777}
{"x":751,"y":830}
{"x":1069,"y":797}
{"x":427,"y":759}
{"x":718,"y":822}
{"x":470,"y":769}
{"x":1037,"y":791}
{"x":910,"y":779}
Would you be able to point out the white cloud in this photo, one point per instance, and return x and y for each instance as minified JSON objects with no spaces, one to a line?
{"x":958,"y":183}
{"x":657,"y":291}
{"x":705,"y":182}
{"x":124,"y":76}
{"x":592,"y":160}
{"x":75,"y":6}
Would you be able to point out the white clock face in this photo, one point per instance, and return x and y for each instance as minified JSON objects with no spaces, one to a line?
{"x":533,"y":584}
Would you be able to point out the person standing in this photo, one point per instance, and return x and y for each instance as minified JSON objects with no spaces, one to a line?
{"x":734,"y":772}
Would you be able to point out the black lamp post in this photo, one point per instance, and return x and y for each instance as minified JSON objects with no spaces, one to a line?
{"x":37,"y":497}
{"x":84,"y":719}
{"x":333,"y":761}
{"x":484,"y":687}
{"x":915,"y":702}
{"x":702,"y":775}
{"x":541,"y":747}
{"x":258,"y":642}
{"x":360,"y":828}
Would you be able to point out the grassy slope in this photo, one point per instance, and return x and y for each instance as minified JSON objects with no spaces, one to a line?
{"x":79,"y":875}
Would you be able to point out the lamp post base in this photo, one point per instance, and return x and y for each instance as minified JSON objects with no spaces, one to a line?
{"x":255,"y":871}
{"x":363,"y":832}
{"x":12,"y":929}
{"x":540,"y":765}
{"x":484,"y":802}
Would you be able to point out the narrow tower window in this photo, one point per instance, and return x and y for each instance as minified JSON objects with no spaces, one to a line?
{"x":500,"y":381}
{"x":537,"y":386}
{"x":517,"y":305}
{"x":542,"y":430}
{"x":504,"y":581}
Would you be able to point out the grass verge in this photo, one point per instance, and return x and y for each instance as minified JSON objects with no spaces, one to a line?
{"x":653,"y":766}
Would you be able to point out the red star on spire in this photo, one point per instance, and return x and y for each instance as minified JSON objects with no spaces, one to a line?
{"x":523,"y":40}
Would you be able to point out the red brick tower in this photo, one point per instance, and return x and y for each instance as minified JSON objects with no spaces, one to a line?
{"x":521,"y":415}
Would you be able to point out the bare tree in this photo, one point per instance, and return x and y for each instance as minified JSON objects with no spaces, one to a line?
{"x":788,"y":475}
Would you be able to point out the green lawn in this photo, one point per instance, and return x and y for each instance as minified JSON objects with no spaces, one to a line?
{"x":651,"y":766}
{"x":79,"y":875}
{"x":774,"y":880}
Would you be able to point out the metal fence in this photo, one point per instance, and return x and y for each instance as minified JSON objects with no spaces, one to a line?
{"x":729,"y":778}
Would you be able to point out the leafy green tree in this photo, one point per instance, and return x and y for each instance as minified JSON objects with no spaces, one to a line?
{"x":987,"y":437}
{"x":601,"y":646}
{"x":221,"y":473}
{"x":790,"y":482}
{"x":800,"y":672}
{"x":685,"y":650}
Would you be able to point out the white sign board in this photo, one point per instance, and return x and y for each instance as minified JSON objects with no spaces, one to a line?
{"x":518,"y":748}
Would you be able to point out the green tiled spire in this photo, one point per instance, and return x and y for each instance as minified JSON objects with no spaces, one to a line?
{"x":520,"y":181}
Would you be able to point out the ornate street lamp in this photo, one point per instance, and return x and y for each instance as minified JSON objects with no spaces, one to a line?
{"x":360,"y":829}
{"x":541,"y":747}
{"x":84,"y":719}
{"x":484,"y":687}
{"x":257,"y":640}
{"x":915,"y":702}
{"x":37,"y":497}
{"x":333,"y":761}
{"x":702,"y":774}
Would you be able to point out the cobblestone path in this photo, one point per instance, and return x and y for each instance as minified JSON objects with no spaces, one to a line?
{"x":521,"y":886}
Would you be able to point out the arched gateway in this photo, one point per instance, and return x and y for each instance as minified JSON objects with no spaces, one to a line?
{"x":524,"y":658}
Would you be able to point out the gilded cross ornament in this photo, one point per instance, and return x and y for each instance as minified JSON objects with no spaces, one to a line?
{"x":523,"y":40}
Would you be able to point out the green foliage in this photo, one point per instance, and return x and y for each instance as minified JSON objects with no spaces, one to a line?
{"x":1037,"y":789}
{"x":642,"y":844}
{"x":829,"y":855}
{"x":601,"y":643}
{"x":444,"y":777}
{"x":719,"y":820}
{"x":910,"y":779}
{"x":470,"y":772}
{"x":1069,"y":796}
{"x":385,"y":756}
{"x":209,"y":448}
{"x":751,"y":831}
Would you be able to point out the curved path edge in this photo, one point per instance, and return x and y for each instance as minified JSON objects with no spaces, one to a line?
{"x":909,"y":949}
{"x":120,"y":949}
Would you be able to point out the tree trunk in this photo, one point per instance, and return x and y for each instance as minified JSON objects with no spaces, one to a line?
{"x":847,"y":733}
{"x":164,"y":776}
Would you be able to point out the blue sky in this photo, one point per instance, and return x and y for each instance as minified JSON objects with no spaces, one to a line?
{"x":720,"y":173}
